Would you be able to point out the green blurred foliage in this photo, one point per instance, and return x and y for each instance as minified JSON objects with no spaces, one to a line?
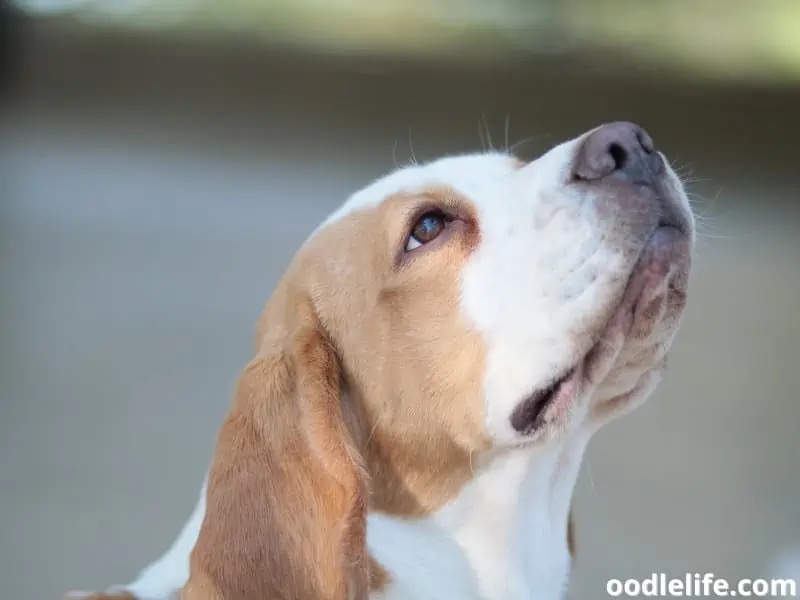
{"x":744,"y":39}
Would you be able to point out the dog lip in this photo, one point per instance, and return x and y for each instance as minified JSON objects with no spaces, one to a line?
{"x":529,"y":415}
{"x":671,"y":218}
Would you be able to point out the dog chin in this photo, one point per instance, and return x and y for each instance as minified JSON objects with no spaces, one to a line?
{"x":650,"y":304}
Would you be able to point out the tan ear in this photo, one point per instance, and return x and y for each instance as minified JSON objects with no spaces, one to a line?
{"x":286,"y":505}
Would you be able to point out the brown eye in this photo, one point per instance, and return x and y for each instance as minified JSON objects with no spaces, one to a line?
{"x":425,"y":230}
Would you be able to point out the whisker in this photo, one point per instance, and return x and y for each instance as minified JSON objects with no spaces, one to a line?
{"x":374,"y":429}
{"x":681,"y":170}
{"x":711,"y":236}
{"x":591,"y":478}
{"x":528,"y":140}
{"x":411,"y":147}
{"x":481,"y":138}
{"x":710,"y":203}
{"x":488,"y":132}
{"x":508,"y":127}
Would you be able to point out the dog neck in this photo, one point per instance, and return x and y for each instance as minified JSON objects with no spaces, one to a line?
{"x":505,"y":537}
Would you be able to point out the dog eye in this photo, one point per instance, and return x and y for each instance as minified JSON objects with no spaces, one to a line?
{"x":425,"y":230}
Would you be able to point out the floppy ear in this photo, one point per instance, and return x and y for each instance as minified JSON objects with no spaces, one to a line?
{"x":286,"y":504}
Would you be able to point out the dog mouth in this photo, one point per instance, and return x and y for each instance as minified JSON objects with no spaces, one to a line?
{"x":548,"y":403}
{"x":662,"y":265}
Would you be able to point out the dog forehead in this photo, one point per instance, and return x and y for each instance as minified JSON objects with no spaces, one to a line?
{"x":466,"y":174}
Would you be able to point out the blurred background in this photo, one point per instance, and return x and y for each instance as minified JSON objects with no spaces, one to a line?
{"x":162,"y":161}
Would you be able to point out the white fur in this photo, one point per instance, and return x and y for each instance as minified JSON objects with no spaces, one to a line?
{"x":504,"y":537}
{"x":543,"y":271}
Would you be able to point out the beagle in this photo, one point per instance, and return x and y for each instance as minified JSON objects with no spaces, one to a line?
{"x":427,"y":376}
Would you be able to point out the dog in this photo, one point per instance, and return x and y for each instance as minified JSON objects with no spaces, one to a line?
{"x":427,"y":375}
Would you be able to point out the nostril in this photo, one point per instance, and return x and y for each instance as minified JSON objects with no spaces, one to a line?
{"x":620,"y":156}
{"x":622,"y":149}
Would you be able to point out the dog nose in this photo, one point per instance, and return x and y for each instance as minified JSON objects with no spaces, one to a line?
{"x":621,"y":150}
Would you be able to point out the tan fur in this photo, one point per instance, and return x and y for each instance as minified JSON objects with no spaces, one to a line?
{"x":364,"y":394}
